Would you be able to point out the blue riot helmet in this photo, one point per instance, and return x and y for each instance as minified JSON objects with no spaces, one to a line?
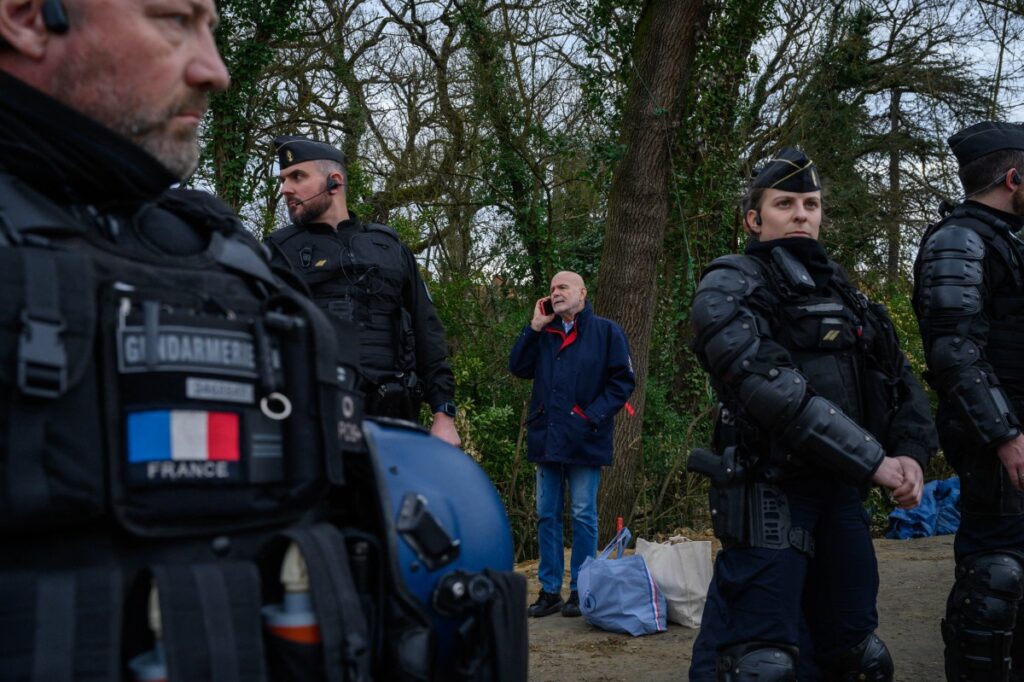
{"x":446,"y":525}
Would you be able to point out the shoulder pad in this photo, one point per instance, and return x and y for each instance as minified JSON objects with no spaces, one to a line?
{"x":201,"y":210}
{"x":954,"y":241}
{"x":988,"y":223}
{"x":737,"y":261}
{"x":242,"y":255}
{"x":733,"y":273}
{"x":377,"y":227}
{"x":283,"y":234}
{"x":22,"y":209}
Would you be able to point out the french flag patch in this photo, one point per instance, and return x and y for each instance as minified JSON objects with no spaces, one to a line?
{"x":183,"y":444}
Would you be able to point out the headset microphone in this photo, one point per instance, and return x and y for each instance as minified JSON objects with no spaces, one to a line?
{"x":998,"y":180}
{"x":54,"y":17}
{"x":331,"y":184}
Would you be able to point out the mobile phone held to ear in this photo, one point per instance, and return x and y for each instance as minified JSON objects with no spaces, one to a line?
{"x":547,"y":307}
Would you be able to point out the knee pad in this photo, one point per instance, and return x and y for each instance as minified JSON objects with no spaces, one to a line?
{"x":987,"y":590}
{"x":981,"y":615}
{"x":757,"y":662}
{"x":869,"y":660}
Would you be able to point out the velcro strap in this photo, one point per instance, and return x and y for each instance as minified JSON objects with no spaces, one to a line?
{"x":60,"y":626}
{"x":343,"y":628}
{"x":211,"y":622}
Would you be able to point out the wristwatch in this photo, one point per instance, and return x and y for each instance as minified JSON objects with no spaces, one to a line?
{"x":447,"y":407}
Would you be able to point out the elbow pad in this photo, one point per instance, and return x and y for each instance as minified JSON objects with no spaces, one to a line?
{"x":978,"y":399}
{"x":984,"y":406}
{"x":774,"y":400}
{"x":824,"y":435}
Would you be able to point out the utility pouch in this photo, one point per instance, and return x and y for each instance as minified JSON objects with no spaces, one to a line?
{"x":344,"y":636}
{"x":728,"y":495}
{"x":221,"y":412}
{"x":729,"y":506}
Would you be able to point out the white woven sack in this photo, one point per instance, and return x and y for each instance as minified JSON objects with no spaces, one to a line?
{"x":682,"y":570}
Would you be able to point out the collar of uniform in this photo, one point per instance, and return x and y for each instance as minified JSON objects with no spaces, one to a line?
{"x":809,"y":252}
{"x":1015,"y":222}
{"x":68,"y":156}
{"x":350,"y":223}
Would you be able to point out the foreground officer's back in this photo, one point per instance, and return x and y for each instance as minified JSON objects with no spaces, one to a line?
{"x":185,"y":490}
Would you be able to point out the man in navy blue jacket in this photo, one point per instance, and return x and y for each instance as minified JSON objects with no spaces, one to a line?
{"x":582,"y":375}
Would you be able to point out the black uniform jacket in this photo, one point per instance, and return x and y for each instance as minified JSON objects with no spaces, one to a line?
{"x":810,"y":367}
{"x":363,"y":274}
{"x":969,"y":299}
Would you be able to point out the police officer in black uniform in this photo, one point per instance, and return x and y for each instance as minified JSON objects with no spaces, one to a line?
{"x":362,"y":274}
{"x":969,"y":298}
{"x":171,"y":417}
{"x":818,"y":402}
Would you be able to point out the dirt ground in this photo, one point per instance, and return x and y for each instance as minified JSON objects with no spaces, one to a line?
{"x":916,"y":576}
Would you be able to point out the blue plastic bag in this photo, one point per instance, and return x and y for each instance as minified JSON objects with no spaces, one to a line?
{"x":938,"y":513}
{"x":619,"y":594}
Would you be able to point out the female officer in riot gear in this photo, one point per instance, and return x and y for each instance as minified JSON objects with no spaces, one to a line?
{"x":817,"y":402}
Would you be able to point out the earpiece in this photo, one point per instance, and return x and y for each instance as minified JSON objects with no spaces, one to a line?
{"x":996,"y":181}
{"x":757,"y":218}
{"x":332,"y":184}
{"x":54,"y":17}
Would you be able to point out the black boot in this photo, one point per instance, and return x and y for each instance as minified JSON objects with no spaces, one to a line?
{"x":571,"y":608}
{"x":546,"y":604}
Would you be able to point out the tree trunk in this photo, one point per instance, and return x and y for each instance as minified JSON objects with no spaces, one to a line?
{"x":664,"y":49}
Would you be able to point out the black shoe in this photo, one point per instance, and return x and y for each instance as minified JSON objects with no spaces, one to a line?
{"x":546,"y":604}
{"x":571,"y":608}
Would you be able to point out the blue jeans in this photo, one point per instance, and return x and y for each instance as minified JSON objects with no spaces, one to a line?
{"x":583,"y":481}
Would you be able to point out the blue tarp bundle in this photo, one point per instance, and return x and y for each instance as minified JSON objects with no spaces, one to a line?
{"x":938,"y":513}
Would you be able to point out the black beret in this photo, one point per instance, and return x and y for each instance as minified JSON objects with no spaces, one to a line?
{"x":789,"y":170}
{"x":293,"y":149}
{"x":984,"y":138}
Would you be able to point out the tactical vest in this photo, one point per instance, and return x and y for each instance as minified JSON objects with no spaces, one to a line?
{"x":839,"y":341}
{"x":1004,"y":307}
{"x":361,"y":283}
{"x":174,"y":420}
